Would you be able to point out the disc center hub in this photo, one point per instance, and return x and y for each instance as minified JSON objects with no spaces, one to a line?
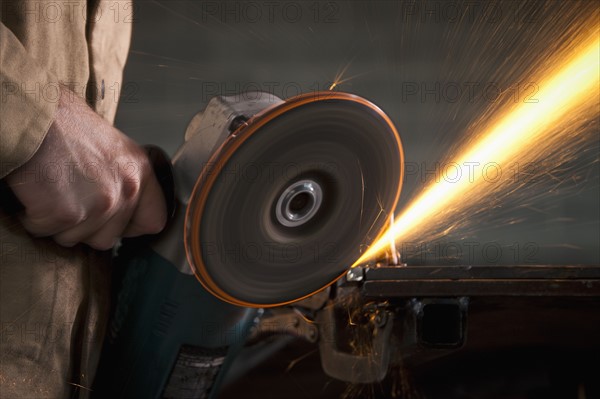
{"x":299,"y":203}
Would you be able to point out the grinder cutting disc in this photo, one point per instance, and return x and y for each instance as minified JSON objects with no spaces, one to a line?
{"x":292,"y":197}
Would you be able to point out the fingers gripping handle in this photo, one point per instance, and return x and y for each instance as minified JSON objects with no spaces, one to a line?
{"x":161,"y":165}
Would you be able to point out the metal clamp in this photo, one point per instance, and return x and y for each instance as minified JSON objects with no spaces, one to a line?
{"x":361,"y":369}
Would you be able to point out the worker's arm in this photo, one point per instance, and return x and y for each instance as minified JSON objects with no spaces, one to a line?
{"x":79,"y":178}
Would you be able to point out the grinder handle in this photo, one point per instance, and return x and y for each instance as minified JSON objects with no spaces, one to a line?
{"x":163,"y":170}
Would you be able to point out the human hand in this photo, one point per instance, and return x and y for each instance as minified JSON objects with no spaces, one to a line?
{"x":87,"y":182}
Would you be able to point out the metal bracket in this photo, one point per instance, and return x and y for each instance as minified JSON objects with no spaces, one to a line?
{"x":287,"y":321}
{"x":349,"y":367}
{"x":291,"y":319}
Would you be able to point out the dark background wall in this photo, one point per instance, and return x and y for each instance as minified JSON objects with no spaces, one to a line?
{"x":417,"y":61}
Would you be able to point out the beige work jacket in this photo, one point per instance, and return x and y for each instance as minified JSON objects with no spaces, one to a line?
{"x":53,"y":300}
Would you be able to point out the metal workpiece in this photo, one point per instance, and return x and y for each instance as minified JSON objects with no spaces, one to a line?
{"x":484,"y":280}
{"x":432,"y":306}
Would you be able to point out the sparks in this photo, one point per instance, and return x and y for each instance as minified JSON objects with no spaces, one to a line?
{"x":526,"y":132}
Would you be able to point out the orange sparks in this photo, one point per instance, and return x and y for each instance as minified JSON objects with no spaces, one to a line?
{"x":527,"y":132}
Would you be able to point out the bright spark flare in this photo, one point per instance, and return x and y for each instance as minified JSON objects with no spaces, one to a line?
{"x":524,"y":133}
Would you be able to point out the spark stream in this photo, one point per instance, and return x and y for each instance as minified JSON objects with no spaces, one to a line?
{"x":550,"y":129}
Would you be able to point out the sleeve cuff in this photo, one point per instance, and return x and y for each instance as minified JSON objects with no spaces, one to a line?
{"x":29,"y":97}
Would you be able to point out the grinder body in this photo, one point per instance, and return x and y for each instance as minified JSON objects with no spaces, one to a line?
{"x":168,"y":336}
{"x":329,"y":172}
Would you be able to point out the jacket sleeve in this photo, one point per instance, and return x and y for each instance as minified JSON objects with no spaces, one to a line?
{"x":28,"y":101}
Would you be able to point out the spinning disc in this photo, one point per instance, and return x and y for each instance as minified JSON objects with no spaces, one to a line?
{"x":291,"y":199}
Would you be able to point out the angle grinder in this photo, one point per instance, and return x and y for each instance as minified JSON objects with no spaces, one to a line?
{"x":271,"y":202}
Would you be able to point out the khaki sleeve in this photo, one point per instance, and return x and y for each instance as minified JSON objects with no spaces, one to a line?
{"x":28,"y":100}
